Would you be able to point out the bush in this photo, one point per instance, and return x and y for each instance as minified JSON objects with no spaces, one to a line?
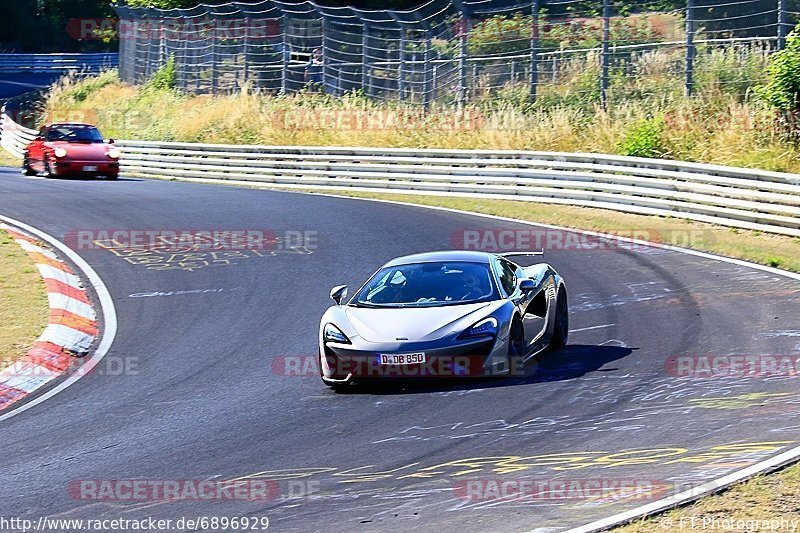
{"x":645,"y":139}
{"x":164,"y":78}
{"x":782,"y":90}
{"x":84,"y":88}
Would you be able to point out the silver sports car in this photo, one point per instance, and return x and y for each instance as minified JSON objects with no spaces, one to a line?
{"x":443,"y":315}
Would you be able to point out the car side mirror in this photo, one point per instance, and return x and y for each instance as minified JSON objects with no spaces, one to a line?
{"x":110,"y":141}
{"x":527,"y":285}
{"x":38,"y":138}
{"x":339,"y":293}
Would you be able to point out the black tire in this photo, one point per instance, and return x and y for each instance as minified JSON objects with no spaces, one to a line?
{"x":111,"y":177}
{"x":561,"y":328}
{"x":48,"y":171}
{"x":516,"y":345}
{"x":26,"y":168}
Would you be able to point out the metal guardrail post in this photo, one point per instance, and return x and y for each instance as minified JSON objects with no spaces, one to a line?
{"x":606,"y":53}
{"x":534,"y":50}
{"x":783,"y":25}
{"x":691,"y":51}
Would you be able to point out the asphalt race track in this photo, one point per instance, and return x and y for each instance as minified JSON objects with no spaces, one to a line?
{"x":204,"y":396}
{"x":15,"y":84}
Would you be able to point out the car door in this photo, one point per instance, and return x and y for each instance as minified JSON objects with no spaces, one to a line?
{"x":509,"y":275}
{"x":533,"y":308}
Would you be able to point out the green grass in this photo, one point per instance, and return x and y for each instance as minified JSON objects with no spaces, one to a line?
{"x":24,"y":309}
{"x":771,"y":497}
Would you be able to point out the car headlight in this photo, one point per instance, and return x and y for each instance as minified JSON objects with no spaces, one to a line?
{"x":333,"y":334}
{"x":60,"y":152}
{"x":113,"y":153}
{"x":485,"y":328}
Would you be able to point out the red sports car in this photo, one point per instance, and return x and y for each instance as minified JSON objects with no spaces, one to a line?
{"x":71,"y":149}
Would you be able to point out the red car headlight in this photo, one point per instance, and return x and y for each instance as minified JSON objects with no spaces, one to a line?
{"x":113,"y":153}
{"x":60,"y":152}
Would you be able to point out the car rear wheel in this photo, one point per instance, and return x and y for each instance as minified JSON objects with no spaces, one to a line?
{"x":561,"y":328}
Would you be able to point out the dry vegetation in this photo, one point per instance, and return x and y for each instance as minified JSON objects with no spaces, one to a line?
{"x":770,"y":498}
{"x":649,"y":114}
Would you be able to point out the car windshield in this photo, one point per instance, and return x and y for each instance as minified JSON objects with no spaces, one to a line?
{"x":87,"y":134}
{"x":428,"y":285}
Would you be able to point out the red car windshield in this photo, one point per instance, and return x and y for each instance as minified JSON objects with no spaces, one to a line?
{"x":86,"y":134}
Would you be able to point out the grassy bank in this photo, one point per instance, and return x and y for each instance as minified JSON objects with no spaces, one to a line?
{"x":8,"y":160}
{"x":764,"y":498}
{"x":23,"y":301}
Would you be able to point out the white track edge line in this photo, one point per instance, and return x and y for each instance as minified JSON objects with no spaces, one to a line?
{"x":108,"y":333}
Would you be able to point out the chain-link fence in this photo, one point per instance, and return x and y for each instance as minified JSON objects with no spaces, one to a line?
{"x":462,"y":50}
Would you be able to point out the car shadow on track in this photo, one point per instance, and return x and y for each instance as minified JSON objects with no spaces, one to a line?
{"x":91,"y":178}
{"x":570,"y":362}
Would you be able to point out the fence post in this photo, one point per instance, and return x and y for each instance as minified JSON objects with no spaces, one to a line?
{"x":534,"y":49}
{"x":462,"y":60}
{"x":365,"y":79}
{"x":401,"y":82}
{"x":162,"y":44}
{"x":246,"y":66}
{"x":214,"y":73}
{"x":606,"y":53}
{"x":426,"y":85}
{"x":690,"y":47}
{"x":184,"y":77}
{"x":325,"y":60}
{"x":783,"y":10}
{"x":286,"y":55}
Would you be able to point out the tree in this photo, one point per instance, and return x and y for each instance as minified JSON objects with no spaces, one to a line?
{"x":782,"y":91}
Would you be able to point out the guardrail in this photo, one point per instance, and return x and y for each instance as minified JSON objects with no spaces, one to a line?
{"x":14,"y":137}
{"x":10,"y":63}
{"x":735,"y":197}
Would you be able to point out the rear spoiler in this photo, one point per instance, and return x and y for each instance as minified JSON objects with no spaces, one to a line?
{"x":522,"y":254}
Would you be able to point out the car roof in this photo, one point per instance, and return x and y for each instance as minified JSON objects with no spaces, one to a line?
{"x":435,"y":257}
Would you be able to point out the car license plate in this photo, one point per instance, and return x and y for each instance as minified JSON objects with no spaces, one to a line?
{"x":90,"y":168}
{"x":401,"y":358}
